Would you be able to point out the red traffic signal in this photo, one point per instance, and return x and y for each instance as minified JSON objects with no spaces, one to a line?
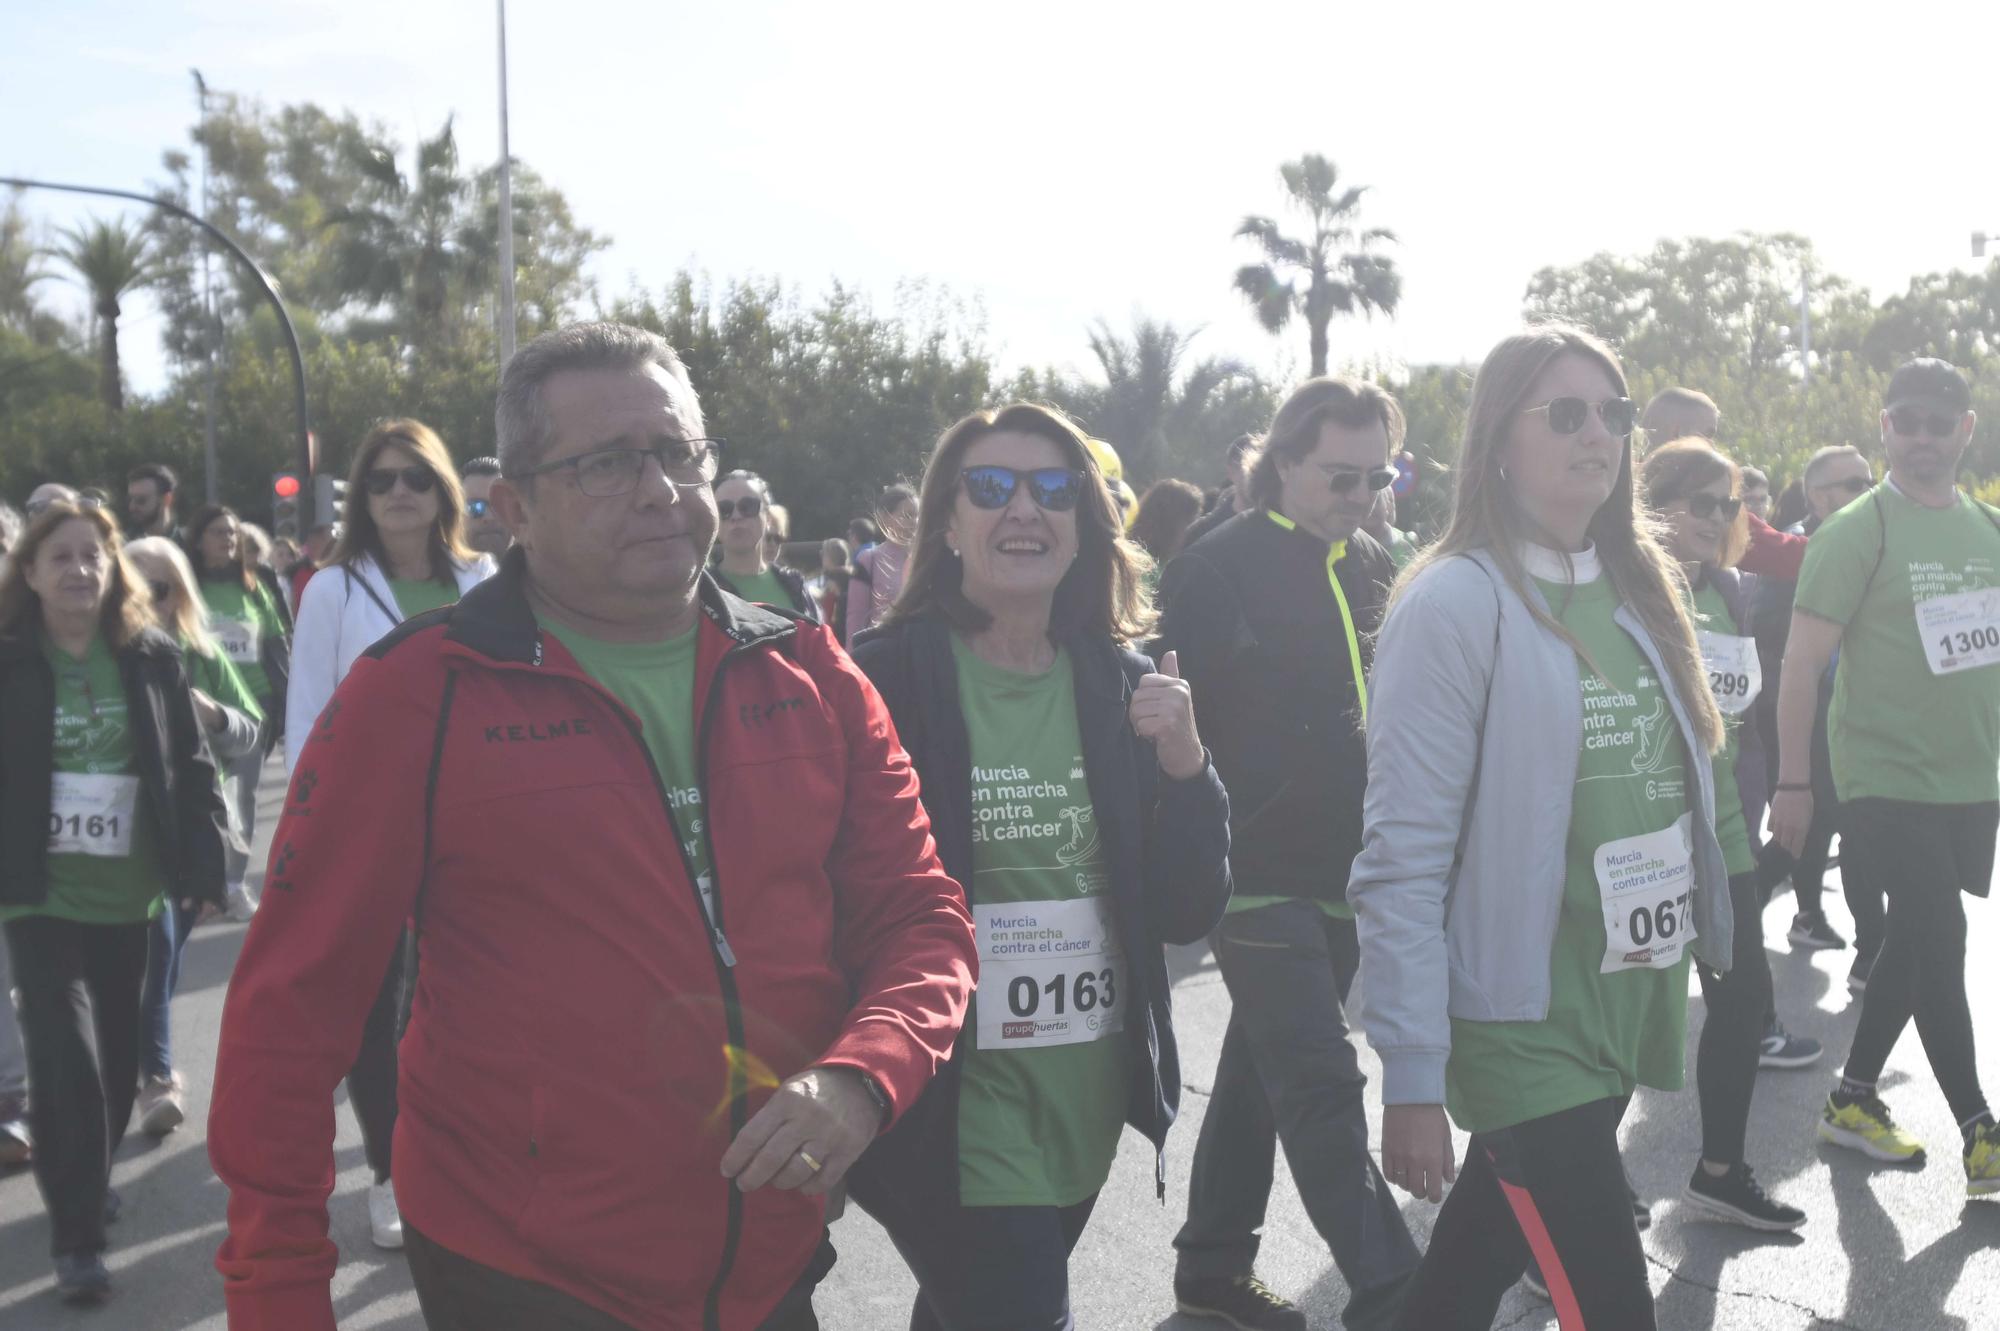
{"x":285,"y":485}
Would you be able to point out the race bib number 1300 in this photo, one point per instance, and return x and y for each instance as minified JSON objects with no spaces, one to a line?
{"x":1961,"y":631}
{"x":1050,"y":973}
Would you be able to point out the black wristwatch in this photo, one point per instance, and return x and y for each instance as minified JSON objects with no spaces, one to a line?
{"x":878,"y":1095}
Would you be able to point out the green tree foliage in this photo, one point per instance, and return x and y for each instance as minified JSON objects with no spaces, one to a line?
{"x":1165,"y":413}
{"x":109,"y":259}
{"x":1332,"y":271}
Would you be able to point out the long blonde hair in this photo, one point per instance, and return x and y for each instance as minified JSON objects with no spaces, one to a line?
{"x":184,"y":615}
{"x":1485,"y":515}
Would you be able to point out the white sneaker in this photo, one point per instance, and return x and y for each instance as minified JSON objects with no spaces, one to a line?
{"x":383,"y":1217}
{"x":241,"y":904}
{"x":161,"y":1105}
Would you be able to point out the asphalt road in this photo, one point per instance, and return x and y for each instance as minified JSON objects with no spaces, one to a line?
{"x":1885,"y":1250}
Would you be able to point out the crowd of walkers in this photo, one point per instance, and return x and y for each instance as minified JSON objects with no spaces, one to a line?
{"x":651,"y":895}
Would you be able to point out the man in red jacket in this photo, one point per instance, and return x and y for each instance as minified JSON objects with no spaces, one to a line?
{"x":685,"y":944}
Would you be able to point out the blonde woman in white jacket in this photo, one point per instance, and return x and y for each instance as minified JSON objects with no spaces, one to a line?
{"x":401,"y":553}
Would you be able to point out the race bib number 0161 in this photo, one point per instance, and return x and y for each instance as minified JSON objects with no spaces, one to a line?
{"x":1735,"y":675}
{"x":1961,"y":631}
{"x":1050,"y":973}
{"x":1646,"y":884}
{"x":92,"y":814}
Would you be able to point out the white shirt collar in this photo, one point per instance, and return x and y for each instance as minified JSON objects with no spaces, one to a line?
{"x":1552,"y":566}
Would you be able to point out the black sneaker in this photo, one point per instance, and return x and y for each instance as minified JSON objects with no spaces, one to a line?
{"x":1811,"y":933}
{"x":1531,"y":1280}
{"x":1242,"y":1301}
{"x":81,"y":1277}
{"x":1737,"y":1198}
{"x":1858,"y":973}
{"x":1781,"y":1049}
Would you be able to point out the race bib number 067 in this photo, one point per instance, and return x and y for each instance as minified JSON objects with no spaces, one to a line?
{"x":1646,"y":885}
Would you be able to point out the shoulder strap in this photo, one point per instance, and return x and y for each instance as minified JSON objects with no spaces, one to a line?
{"x":1881,"y":546}
{"x":395,"y":616}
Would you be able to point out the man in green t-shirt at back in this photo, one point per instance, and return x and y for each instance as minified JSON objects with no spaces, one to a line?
{"x":1905,"y":583}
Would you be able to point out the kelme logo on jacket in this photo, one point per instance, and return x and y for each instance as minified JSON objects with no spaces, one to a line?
{"x":538,"y":732}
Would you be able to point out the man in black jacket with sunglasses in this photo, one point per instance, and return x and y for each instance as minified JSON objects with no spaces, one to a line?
{"x":1273,"y":615}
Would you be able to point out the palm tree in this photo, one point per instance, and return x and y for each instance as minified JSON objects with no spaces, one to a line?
{"x":1148,"y":403}
{"x":1338,"y":279}
{"x":111,"y":258}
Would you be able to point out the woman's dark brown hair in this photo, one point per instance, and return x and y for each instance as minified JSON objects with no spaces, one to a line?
{"x":1104,"y":591}
{"x":1676,"y":470}
{"x":246,"y":560}
{"x":359,"y":535}
{"x":127,"y":610}
{"x":1166,"y":511}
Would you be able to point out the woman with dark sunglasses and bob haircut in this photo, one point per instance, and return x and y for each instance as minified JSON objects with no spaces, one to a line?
{"x":743,"y":565}
{"x":1540,"y":858}
{"x":401,"y":553}
{"x":1070,"y":793}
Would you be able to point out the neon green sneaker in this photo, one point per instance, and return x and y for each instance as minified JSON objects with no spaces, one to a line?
{"x":1865,"y":1126}
{"x":1982,"y":1161}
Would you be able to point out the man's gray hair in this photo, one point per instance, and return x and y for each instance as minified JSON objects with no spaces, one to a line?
{"x":521,"y":422}
{"x":1817,"y":462}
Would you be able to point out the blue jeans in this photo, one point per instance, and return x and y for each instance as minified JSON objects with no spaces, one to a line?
{"x":165,"y":939}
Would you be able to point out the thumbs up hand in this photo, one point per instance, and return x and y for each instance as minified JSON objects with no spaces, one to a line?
{"x":1162,"y":712}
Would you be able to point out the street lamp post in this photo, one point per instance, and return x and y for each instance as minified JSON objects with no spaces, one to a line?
{"x":264,"y":284}
{"x":1979,"y":241}
{"x":506,"y":209}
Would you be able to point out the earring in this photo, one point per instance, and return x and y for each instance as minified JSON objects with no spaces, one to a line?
{"x":1504,"y":476}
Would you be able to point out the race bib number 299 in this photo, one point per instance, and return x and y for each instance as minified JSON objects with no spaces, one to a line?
{"x":1050,"y":973}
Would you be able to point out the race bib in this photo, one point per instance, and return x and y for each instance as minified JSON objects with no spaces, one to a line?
{"x":1050,"y":973}
{"x":1961,"y":631}
{"x":92,"y":814}
{"x":238,"y":640}
{"x":1735,"y":675}
{"x":1647,"y":884}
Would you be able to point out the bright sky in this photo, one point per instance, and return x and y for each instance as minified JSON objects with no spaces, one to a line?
{"x":1058,"y":161}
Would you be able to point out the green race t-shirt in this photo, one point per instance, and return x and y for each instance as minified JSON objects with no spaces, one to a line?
{"x":1606,"y":1031}
{"x":1043,"y":1094}
{"x":1916,"y":701}
{"x":415,"y":596}
{"x":656,"y":681}
{"x":218,"y":677}
{"x":241,"y":622}
{"x":1712,"y":617}
{"x":103,"y":866}
{"x":763,"y":588}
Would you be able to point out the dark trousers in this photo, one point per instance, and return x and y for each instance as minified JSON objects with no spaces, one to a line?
{"x":1551,"y":1190}
{"x":458,"y":1294}
{"x":165,"y":941}
{"x":982,"y":1268}
{"x":1289,"y":1072}
{"x":1927,"y":854}
{"x":371,"y":1082}
{"x":1731,"y":1033}
{"x":80,"y":1019}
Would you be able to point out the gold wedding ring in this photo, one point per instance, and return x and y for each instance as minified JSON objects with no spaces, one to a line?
{"x":811,"y":1163}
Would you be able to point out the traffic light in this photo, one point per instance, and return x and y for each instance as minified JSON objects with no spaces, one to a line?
{"x":285,"y":505}
{"x":329,"y":500}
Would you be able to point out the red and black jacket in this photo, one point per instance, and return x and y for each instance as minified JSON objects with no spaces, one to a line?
{"x":583,"y":1046}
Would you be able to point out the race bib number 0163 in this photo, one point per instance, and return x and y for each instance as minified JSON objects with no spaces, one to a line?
{"x":92,"y":814}
{"x":1961,"y":631}
{"x":1646,"y":884}
{"x":1050,"y":973}
{"x":1735,"y":675}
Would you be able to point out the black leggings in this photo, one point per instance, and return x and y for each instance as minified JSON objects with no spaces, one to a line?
{"x":1926,"y":854}
{"x":371,"y":1082}
{"x":80,"y":1020}
{"x":1551,"y":1190}
{"x":1726,"y":1059}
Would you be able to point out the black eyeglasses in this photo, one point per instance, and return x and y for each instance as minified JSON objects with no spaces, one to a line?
{"x":605,"y":473}
{"x":381,"y":480}
{"x":1567,"y":414}
{"x":1705,"y":506}
{"x":1053,"y":488}
{"x":478,"y":508}
{"x":1908,"y":421}
{"x":1344,"y":479}
{"x":739,"y":508}
{"x":1854,"y":485}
